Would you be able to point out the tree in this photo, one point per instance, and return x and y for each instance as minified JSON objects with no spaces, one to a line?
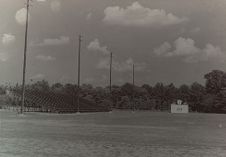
{"x":215,"y":86}
{"x":184,"y":93}
{"x":127,"y":90}
{"x":100,"y":94}
{"x":69,"y":89}
{"x":171,"y":93}
{"x":220,"y":102}
{"x":57,"y":87}
{"x":208,"y":102}
{"x":116,"y":95}
{"x":197,"y":92}
{"x":42,"y":86}
{"x":87,"y":90}
{"x":148,"y":88}
{"x":160,"y":94}
{"x":124,"y":103}
{"x":2,"y":90}
{"x":215,"y":81}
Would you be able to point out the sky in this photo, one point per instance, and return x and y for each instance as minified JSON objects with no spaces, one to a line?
{"x":169,"y":41}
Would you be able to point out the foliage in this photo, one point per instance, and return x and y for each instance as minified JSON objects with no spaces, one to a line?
{"x":215,"y":81}
{"x":208,"y":98}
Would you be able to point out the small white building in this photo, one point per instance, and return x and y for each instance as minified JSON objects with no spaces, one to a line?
{"x":179,"y":107}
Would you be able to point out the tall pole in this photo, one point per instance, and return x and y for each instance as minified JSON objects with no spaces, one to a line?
{"x":25,"y":58}
{"x":133,"y":87}
{"x":79,"y":50}
{"x":133,"y":75}
{"x":110,"y":71}
{"x":110,"y":85}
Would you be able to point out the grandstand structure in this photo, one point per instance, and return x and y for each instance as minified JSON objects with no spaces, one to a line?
{"x":37,"y":101}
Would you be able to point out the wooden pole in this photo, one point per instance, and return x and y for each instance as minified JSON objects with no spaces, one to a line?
{"x":110,"y":85}
{"x":25,"y":58}
{"x":133,"y":88}
{"x":110,"y":80}
{"x":79,"y":67}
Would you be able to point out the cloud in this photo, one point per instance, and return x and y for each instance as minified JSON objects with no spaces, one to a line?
{"x":195,"y":30}
{"x":45,"y":58}
{"x":95,"y":46}
{"x":104,"y":63}
{"x":89,"y":16}
{"x":190,"y":53}
{"x":53,"y":41}
{"x":37,"y":77}
{"x":4,"y":56}
{"x":184,"y":47}
{"x":138,"y":15}
{"x":41,"y":0}
{"x":55,"y":6}
{"x":21,"y":16}
{"x":121,"y":66}
{"x":165,"y":47}
{"x":8,"y":39}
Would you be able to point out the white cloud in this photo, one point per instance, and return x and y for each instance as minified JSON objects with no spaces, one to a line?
{"x":21,"y":16}
{"x":165,"y":47}
{"x":184,"y":47}
{"x":41,"y":0}
{"x":53,"y":41}
{"x":62,"y":40}
{"x":104,"y":62}
{"x":95,"y":46}
{"x":45,"y":58}
{"x":55,"y":5}
{"x":37,"y":77}
{"x":190,"y":53}
{"x":138,"y":15}
{"x":8,"y":39}
{"x":121,"y":66}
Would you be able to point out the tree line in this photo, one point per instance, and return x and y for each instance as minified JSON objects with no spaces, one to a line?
{"x":210,"y":98}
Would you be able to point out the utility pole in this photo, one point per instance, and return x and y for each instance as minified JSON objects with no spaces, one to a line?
{"x":110,"y":85}
{"x":110,"y":71}
{"x":25,"y":57}
{"x":79,"y":50}
{"x":133,"y":87}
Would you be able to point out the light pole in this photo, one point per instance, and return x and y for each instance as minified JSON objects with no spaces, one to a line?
{"x":110,"y":71}
{"x":79,"y":66}
{"x":133,"y":87}
{"x":25,"y":57}
{"x":110,"y":76}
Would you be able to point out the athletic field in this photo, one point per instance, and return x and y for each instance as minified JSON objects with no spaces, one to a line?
{"x":116,"y":134}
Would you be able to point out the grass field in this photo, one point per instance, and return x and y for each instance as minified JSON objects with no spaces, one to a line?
{"x":117,"y":134}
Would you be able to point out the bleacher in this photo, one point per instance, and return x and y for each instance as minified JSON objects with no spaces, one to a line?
{"x":55,"y":102}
